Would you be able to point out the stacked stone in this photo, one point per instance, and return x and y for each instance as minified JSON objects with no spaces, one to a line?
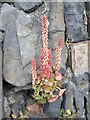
{"x":75,"y":18}
{"x":1,"y":84}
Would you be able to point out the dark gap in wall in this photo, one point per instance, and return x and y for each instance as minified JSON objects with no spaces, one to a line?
{"x":69,"y":59}
{"x":34,"y":8}
{"x":85,"y":106}
{"x":63,"y":101}
{"x":6,"y":84}
{"x":74,"y":104}
{"x":10,"y":3}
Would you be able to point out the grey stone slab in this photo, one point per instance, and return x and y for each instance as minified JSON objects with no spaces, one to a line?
{"x":29,"y":6}
{"x":74,"y":21}
{"x":1,"y":84}
{"x":12,"y":66}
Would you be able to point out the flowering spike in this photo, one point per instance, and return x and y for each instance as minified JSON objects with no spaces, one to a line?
{"x":34,"y":72}
{"x":47,"y":77}
{"x":45,"y":32}
{"x":60,"y":42}
{"x":58,"y":55}
{"x":46,"y":57}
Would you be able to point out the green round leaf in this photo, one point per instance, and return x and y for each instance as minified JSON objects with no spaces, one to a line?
{"x":41,"y":89}
{"x":37,"y":97}
{"x":34,"y":86}
{"x":42,"y":101}
{"x":50,"y":82}
{"x":47,"y":89}
{"x":37,"y":81}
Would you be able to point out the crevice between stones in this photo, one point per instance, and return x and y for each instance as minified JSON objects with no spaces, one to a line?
{"x":85,"y":106}
{"x":33,"y":9}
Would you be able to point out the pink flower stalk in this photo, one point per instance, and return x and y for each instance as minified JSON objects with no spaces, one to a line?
{"x":58,"y":55}
{"x":45,"y":32}
{"x":44,"y":65}
{"x":46,"y":57}
{"x":50,"y":58}
{"x":34,"y":72}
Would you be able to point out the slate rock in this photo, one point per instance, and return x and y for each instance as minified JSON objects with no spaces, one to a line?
{"x":53,"y":109}
{"x":1,"y":37}
{"x":12,"y":68}
{"x":28,"y":41}
{"x":27,"y":6}
{"x":79,"y":101}
{"x":56,"y":31}
{"x":83,"y":82}
{"x":9,"y":12}
{"x":7,"y":109}
{"x":88,"y":16}
{"x":17,"y":102}
{"x":23,"y":37}
{"x":70,"y":86}
{"x":1,"y":83}
{"x":88,"y":106}
{"x":74,"y":21}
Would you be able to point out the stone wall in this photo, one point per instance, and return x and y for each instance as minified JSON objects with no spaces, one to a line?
{"x":21,"y":26}
{"x":23,"y":38}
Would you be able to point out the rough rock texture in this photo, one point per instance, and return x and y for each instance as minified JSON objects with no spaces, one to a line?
{"x":12,"y":57}
{"x":80,"y":93}
{"x":79,"y":99}
{"x":14,"y":103}
{"x":88,"y":16}
{"x":7,"y":109}
{"x":27,"y":6}
{"x":80,"y":58}
{"x":80,"y":65}
{"x":76,"y":94}
{"x":53,"y":109}
{"x":23,"y":39}
{"x":57,"y":30}
{"x":74,"y":21}
{"x":20,"y":45}
{"x":1,"y":85}
{"x":69,"y":91}
{"x":88,"y":105}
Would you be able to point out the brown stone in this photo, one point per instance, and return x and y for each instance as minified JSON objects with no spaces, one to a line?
{"x":80,"y":58}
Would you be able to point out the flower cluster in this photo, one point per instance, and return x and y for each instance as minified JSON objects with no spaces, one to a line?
{"x":34,"y":72}
{"x":47,"y":80}
{"x":46,"y":57}
{"x":44,"y":32}
{"x":58,"y":55}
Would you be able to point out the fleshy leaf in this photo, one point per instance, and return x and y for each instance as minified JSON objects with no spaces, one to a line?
{"x":34,"y":86}
{"x":37,"y":97}
{"x":37,"y":81}
{"x":50,"y":82}
{"x":61,"y":92}
{"x":42,"y":101}
{"x":41,"y":89}
{"x":47,"y":89}
{"x":53,"y":87}
{"x":53,"y":98}
{"x":45,"y":95}
{"x":36,"y":93}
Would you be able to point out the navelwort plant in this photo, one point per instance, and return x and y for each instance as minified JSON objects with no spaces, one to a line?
{"x":46,"y":81}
